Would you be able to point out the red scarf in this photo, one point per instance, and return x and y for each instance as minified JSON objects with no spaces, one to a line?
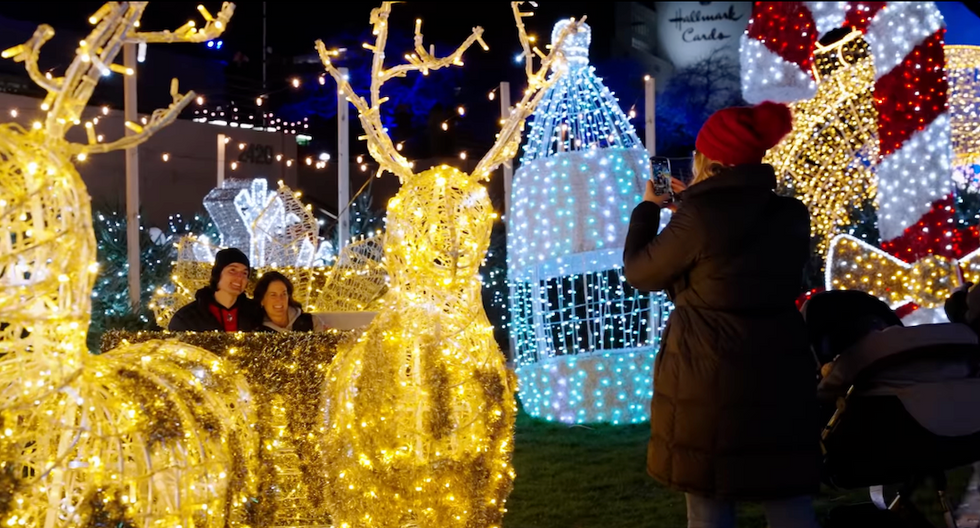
{"x":228,"y":317}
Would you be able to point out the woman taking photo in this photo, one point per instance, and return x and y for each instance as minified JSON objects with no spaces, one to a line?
{"x":733,"y":411}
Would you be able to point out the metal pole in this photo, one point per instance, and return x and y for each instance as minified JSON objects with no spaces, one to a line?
{"x":508,"y":182}
{"x":649,"y":83}
{"x":343,"y":166}
{"x":650,"y":124}
{"x":265,"y":48}
{"x":509,"y":164}
{"x":221,"y":159}
{"x":132,"y":180}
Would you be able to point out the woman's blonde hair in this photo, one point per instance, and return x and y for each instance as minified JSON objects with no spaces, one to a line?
{"x":705,"y":168}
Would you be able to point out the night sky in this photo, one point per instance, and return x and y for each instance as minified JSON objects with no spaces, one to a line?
{"x":292,"y":28}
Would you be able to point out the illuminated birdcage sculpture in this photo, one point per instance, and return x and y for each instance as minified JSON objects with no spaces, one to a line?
{"x":583,"y":339}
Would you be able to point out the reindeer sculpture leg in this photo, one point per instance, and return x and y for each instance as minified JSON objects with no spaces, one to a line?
{"x":420,"y":411}
{"x":156,"y":434}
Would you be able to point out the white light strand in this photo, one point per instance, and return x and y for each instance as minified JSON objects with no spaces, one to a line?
{"x":584,"y":339}
{"x":827,"y":15}
{"x":572,"y":203}
{"x":768,"y":77}
{"x":898,"y":28}
{"x":912,"y":178}
{"x":611,"y":387}
{"x":578,"y":112}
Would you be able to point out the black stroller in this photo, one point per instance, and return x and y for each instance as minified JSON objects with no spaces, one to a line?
{"x":902,"y":403}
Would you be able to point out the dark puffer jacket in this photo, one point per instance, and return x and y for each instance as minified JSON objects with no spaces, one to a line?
{"x":197,"y":317}
{"x":733,"y":411}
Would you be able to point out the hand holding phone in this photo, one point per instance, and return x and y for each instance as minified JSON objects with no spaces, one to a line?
{"x":660,"y":169}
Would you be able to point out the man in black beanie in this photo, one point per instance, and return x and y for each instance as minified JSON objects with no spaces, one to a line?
{"x":222,"y":306}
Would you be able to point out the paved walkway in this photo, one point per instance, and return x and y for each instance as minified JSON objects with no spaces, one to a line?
{"x":968,"y":512}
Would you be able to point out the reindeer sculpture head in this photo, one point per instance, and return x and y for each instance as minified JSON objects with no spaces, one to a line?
{"x":47,"y":253}
{"x":438,"y":226}
{"x":419,"y":413}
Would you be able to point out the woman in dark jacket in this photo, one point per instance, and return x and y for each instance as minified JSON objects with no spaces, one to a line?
{"x":733,"y":411}
{"x":281,"y":312}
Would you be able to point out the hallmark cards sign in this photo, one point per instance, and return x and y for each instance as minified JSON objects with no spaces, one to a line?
{"x":690,"y":31}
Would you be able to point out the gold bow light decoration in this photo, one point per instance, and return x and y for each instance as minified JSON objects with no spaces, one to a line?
{"x":856,"y":265}
{"x":156,"y":434}
{"x":419,"y":413}
{"x":278,"y":232}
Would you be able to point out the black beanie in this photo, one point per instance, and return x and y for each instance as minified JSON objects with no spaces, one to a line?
{"x":222,"y":259}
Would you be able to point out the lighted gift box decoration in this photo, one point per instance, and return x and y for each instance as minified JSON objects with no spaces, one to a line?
{"x":584,"y":339}
{"x":278,"y":232}
{"x":872,"y":119}
{"x":155,"y":434}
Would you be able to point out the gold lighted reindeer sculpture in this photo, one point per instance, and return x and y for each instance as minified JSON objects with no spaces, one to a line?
{"x":419,"y":413}
{"x":150,"y":435}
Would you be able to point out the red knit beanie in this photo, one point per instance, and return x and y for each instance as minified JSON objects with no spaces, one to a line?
{"x":734,"y":136}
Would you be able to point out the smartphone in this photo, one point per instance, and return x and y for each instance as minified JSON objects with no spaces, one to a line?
{"x":660,"y":169}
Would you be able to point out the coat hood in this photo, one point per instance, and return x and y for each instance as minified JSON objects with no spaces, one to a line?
{"x":293,"y":314}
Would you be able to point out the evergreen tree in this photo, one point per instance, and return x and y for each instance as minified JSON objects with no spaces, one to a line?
{"x":111,"y":308}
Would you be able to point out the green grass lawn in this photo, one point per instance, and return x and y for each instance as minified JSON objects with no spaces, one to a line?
{"x":595,"y":477}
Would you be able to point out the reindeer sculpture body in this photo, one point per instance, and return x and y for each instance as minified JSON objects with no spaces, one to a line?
{"x":420,"y":411}
{"x":149,"y":435}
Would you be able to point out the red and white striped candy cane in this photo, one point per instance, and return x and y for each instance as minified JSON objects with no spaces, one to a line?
{"x":911,"y":91}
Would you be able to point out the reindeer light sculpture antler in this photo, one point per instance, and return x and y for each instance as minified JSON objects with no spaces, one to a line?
{"x":420,"y":411}
{"x":156,"y":434}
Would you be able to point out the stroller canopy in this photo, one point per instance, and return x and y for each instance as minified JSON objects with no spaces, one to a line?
{"x":931,"y":369}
